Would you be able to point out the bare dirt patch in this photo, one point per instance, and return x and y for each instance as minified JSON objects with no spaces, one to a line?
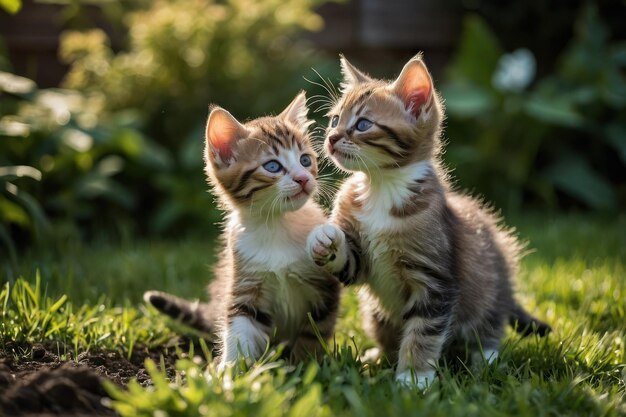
{"x":35,"y":381}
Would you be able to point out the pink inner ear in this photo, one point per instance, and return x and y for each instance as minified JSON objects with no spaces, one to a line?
{"x":222,"y":136}
{"x":415,"y":99}
{"x":414,"y":87}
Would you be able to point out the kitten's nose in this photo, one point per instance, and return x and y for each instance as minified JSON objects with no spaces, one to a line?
{"x":334,"y":138}
{"x":301,"y":179}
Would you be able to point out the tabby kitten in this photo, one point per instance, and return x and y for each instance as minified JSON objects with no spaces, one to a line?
{"x":264,"y":173}
{"x":435,"y":264}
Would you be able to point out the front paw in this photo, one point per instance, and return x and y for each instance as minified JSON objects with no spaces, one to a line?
{"x":325,"y":244}
{"x":418,"y":379}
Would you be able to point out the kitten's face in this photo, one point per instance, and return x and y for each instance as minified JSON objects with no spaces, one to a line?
{"x":382,"y":125}
{"x":266,"y":165}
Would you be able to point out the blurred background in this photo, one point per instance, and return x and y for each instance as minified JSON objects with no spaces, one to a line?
{"x":103,"y":103}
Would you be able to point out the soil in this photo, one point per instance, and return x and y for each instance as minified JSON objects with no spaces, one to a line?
{"x":35,"y":381}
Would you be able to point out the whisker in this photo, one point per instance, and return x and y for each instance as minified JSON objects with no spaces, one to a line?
{"x":324,"y":86}
{"x":334,"y":93}
{"x":326,"y":102}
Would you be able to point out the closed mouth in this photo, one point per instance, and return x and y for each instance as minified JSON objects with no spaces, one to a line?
{"x":337,"y":152}
{"x":302,"y":193}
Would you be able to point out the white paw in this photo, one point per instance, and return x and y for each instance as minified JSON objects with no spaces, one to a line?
{"x":371,"y":355}
{"x":224,"y":369}
{"x":419,"y":379}
{"x":325,"y":244}
{"x":490,"y":355}
{"x":223,"y":365}
{"x":485,"y":357}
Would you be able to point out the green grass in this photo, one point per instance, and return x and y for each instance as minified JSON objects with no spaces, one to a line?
{"x":575,"y":278}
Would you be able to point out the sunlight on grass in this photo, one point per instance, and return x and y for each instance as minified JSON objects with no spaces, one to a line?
{"x":121,"y":273}
{"x":575,"y":280}
{"x":30,"y":316}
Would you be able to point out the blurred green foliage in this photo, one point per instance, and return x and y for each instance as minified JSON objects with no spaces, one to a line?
{"x":63,"y":158}
{"x":183,"y":55}
{"x":118,"y":150}
{"x":11,"y":6}
{"x":558,"y":141}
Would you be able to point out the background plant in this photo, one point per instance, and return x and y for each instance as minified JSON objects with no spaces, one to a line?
{"x":557,"y":141}
{"x":79,"y":166}
{"x":118,"y":151}
{"x":182,"y":56}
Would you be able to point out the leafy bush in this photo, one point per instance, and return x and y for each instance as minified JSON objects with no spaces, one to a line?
{"x":183,"y":55}
{"x":119,"y":149}
{"x":558,"y":141}
{"x":63,"y":159}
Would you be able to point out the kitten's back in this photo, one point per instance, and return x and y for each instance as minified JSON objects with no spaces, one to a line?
{"x":487,"y":250}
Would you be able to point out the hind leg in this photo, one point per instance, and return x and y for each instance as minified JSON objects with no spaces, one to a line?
{"x":485,"y":346}
{"x":308,"y":342}
{"x":243,"y":334}
{"x":485,"y":353}
{"x":386,"y":335}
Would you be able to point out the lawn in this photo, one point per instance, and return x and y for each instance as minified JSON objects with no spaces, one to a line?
{"x":78,"y":302}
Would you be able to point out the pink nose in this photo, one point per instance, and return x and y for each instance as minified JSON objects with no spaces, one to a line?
{"x":334,"y":138}
{"x":301,"y":179}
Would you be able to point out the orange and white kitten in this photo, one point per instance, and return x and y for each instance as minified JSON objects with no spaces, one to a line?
{"x":436,"y":266}
{"x":264,"y":173}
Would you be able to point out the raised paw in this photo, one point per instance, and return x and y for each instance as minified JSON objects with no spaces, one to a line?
{"x":416,"y":379}
{"x":325,"y":243}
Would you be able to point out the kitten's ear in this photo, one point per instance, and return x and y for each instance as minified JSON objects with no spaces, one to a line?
{"x":296,"y":112}
{"x":414,"y":86}
{"x":351,"y":76}
{"x":222,"y":132}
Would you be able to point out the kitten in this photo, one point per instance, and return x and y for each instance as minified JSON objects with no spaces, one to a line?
{"x":264,"y":173}
{"x":436,"y":265}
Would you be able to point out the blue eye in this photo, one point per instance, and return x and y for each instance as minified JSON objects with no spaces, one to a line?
{"x":305,"y":160}
{"x":334,"y":121}
{"x":363,"y":124}
{"x":272,"y":166}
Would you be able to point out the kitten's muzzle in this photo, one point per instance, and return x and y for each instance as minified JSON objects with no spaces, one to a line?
{"x":332,"y":139}
{"x":301,"y":180}
{"x":305,"y":187}
{"x":300,"y":194}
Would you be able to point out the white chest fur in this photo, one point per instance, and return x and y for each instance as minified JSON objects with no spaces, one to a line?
{"x":274,"y":245}
{"x":379,"y":232}
{"x":381,"y":193}
{"x":276,"y":253}
{"x":383,"y":287}
{"x":270,"y":250}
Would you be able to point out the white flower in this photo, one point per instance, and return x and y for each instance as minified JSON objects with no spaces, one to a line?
{"x":515,"y":71}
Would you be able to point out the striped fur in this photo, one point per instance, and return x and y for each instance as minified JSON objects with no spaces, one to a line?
{"x":436,"y":265}
{"x":266,"y":285}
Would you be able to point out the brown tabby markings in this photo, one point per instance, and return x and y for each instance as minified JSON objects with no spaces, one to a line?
{"x":266,"y":285}
{"x":422,"y":192}
{"x":269,"y":136}
{"x":435,"y":264}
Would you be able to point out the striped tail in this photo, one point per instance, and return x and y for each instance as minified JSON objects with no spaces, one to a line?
{"x":525,"y":324}
{"x":193,"y":314}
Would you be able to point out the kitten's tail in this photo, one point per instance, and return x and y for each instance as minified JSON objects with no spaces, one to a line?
{"x":525,"y":324}
{"x":193,"y":314}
